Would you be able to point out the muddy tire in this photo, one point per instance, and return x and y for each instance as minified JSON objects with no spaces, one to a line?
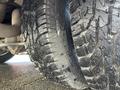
{"x":95,"y":30}
{"x":50,"y":45}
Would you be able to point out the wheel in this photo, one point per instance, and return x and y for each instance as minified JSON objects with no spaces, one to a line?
{"x":95,"y":29}
{"x":46,"y":25}
{"x":4,"y":56}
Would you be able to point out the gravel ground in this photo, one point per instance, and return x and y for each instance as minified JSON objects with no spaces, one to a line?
{"x":23,"y":76}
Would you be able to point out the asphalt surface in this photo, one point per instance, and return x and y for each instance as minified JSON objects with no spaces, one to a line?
{"x":24,"y":76}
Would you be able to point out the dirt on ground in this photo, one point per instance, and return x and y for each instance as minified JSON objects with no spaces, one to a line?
{"x":24,"y":76}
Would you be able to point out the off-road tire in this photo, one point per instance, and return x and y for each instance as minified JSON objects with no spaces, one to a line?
{"x":94,"y":23}
{"x":50,"y":45}
{"x":5,"y":57}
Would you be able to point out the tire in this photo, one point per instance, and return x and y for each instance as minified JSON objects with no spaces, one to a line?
{"x":49,"y":41}
{"x":5,"y":57}
{"x":94,"y":25}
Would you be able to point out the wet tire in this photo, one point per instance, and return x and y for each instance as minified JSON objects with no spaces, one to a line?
{"x":95,"y":30}
{"x":49,"y":41}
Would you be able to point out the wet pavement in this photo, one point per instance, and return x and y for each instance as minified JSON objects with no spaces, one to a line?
{"x":22,"y":75}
